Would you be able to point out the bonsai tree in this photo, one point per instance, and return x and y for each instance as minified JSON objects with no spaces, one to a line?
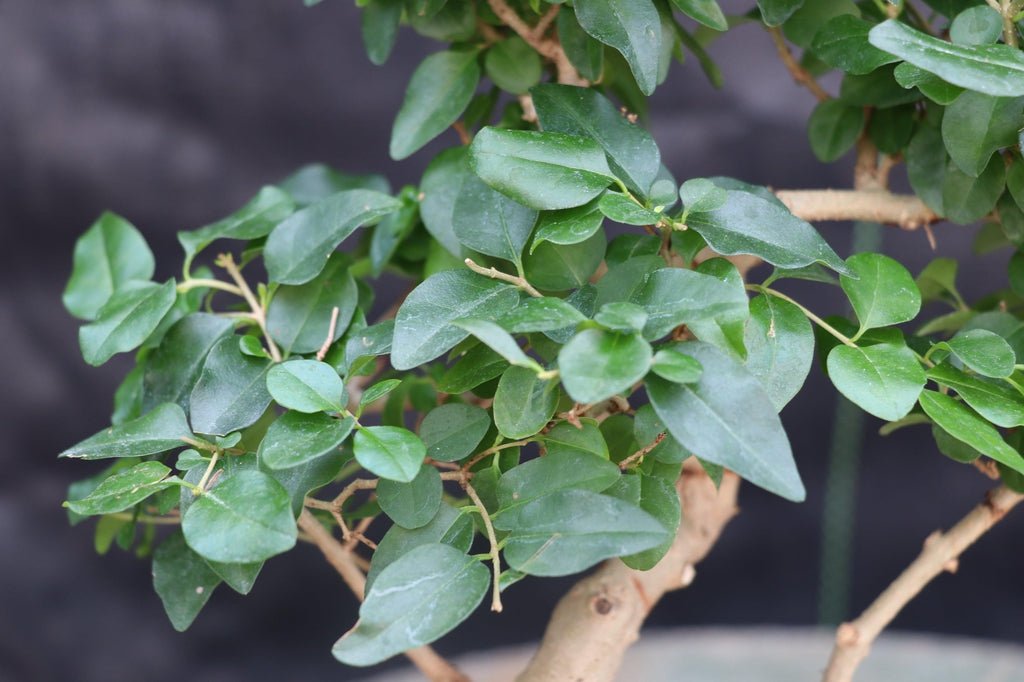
{"x":548,"y":398}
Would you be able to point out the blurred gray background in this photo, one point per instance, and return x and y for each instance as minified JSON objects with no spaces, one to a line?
{"x":173,"y":114}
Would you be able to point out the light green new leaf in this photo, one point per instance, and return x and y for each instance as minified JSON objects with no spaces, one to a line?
{"x":728,"y":419}
{"x":622,"y":317}
{"x":701,"y":195}
{"x":975,"y":126}
{"x":834,"y":127}
{"x":513,"y":65}
{"x":247,"y":517}
{"x":453,"y":431}
{"x":632,"y":153}
{"x":390,"y":452}
{"x":296,"y":438}
{"x":124,"y":489}
{"x":500,"y":341}
{"x":554,"y":267}
{"x":306,"y":386}
{"x":299,"y":317}
{"x":127,"y":319}
{"x":172,"y":369}
{"x":994,"y":400}
{"x":487,"y":221}
{"x":670,"y":364}
{"x":298,"y":248}
{"x":632,"y":28}
{"x":438,"y":93}
{"x":884,"y":292}
{"x":423,"y":326}
{"x":542,"y":170}
{"x":884,"y":380}
{"x":996,"y":70}
{"x":182,"y":580}
{"x":750,"y":224}
{"x":523,"y":403}
{"x":843,"y":43}
{"x":417,"y":599}
{"x":962,"y":423}
{"x":412,"y":504}
{"x":569,"y":531}
{"x":985,"y":352}
{"x":780,"y":347}
{"x":256,"y":219}
{"x":231,"y":392}
{"x":162,"y":428}
{"x":108,"y":256}
{"x":596,"y":364}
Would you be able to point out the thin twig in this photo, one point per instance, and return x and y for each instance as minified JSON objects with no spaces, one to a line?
{"x":492,"y":538}
{"x":551,"y":49}
{"x":205,"y":283}
{"x":642,"y":452}
{"x":545,"y":22}
{"x":495,"y":273}
{"x":490,"y":451}
{"x":799,"y":73}
{"x":331,"y":329}
{"x":225,"y":261}
{"x":460,"y":129}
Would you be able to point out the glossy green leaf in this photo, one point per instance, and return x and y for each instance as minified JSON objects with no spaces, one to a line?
{"x":377,"y":391}
{"x":412,"y":504}
{"x":172,"y":370}
{"x":985,"y":352}
{"x":978,"y":25}
{"x":298,"y":248}
{"x":674,"y":366}
{"x":449,"y":526}
{"x":975,"y":126}
{"x":296,"y":438}
{"x":633,"y":29}
{"x":811,"y":15}
{"x":254,"y":220}
{"x":423,"y":326}
{"x":568,"y":438}
{"x":884,"y":380}
{"x":780,"y":347}
{"x":585,"y":53}
{"x":239,"y":577}
{"x":568,"y":226}
{"x":996,"y":70}
{"x":843,"y":43}
{"x":632,"y":153}
{"x":500,"y":341}
{"x":440,"y":188}
{"x":231,"y":392}
{"x":542,"y":170}
{"x":302,"y":479}
{"x":701,"y":195}
{"x":306,"y":386}
{"x":752,"y":225}
{"x":596,"y":364}
{"x":162,"y":428}
{"x":513,"y":65}
{"x":728,"y":419}
{"x":417,"y":599}
{"x":621,"y":317}
{"x":554,"y":267}
{"x":111,"y":254}
{"x":487,"y":221}
{"x":962,"y":423}
{"x":124,"y":489}
{"x":884,"y":292}
{"x":568,"y":531}
{"x":454,"y":22}
{"x":247,"y":517}
{"x":299,"y":317}
{"x":523,"y":403}
{"x":452,"y":432}
{"x":834,"y":127}
{"x":966,"y":198}
{"x":438,"y":93}
{"x":648,"y":427}
{"x":775,"y":12}
{"x":994,"y":400}
{"x":622,"y":209}
{"x":182,"y":580}
{"x":315,"y":182}
{"x":541,"y":315}
{"x":725,"y":330}
{"x":127,"y":318}
{"x":477,"y":366}
{"x":674,"y":296}
{"x":380,"y":27}
{"x":930,"y":85}
{"x":658,"y":498}
{"x":390,"y":452}
{"x":705,"y":12}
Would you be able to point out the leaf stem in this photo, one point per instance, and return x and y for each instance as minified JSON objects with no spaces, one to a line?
{"x":642,"y":452}
{"x":225,"y":261}
{"x":810,"y":316}
{"x":201,"y":486}
{"x":495,"y":273}
{"x":320,"y":354}
{"x":206,"y":283}
{"x":492,"y":538}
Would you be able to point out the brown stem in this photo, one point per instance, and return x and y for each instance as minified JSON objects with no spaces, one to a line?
{"x":799,"y":73}
{"x":495,"y":273}
{"x":551,"y":49}
{"x":941,"y":553}
{"x":425,"y":658}
{"x":331,"y":329}
{"x":879,"y":206}
{"x":492,"y":539}
{"x":642,"y":452}
{"x":598,"y":619}
{"x":225,"y":261}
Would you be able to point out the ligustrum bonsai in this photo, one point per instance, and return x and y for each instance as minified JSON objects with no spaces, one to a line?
{"x":544,"y":398}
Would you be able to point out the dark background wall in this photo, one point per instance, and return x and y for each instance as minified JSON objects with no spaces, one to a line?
{"x":173,"y":114}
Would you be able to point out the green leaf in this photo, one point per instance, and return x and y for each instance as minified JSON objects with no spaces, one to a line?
{"x":541,"y":315}
{"x":775,"y":12}
{"x":811,"y":16}
{"x":477,"y":366}
{"x":884,"y":292}
{"x":705,"y":12}
{"x":843,"y":43}
{"x":438,"y":93}
{"x":726,"y":329}
{"x":647,"y":426}
{"x":390,"y":452}
{"x":976,"y":26}
{"x":700,"y":195}
{"x":995,"y":401}
{"x":596,"y":364}
{"x":452,"y":432}
{"x":417,"y":599}
{"x":448,"y":526}
{"x":975,"y":126}
{"x":377,"y":391}
{"x":127,"y":318}
{"x":930,"y":85}
{"x":965,"y":198}
{"x":523,"y":403}
{"x":296,"y":438}
{"x":124,"y":489}
{"x":753,"y":225}
{"x":247,"y":517}
{"x":674,"y":366}
{"x":985,"y":352}
{"x":440,"y":188}
{"x":500,"y":341}
{"x":962,"y":423}
{"x":632,"y":153}
{"x":423,"y":326}
{"x":727,"y":418}
{"x":173,"y":368}
{"x":567,"y":438}
{"x":231,"y":392}
{"x":306,"y":386}
{"x":621,"y":317}
{"x":553,"y":267}
{"x":315,"y":182}
{"x":633,"y":29}
{"x":393,"y":230}
{"x":622,"y":209}
{"x":108,"y":256}
{"x":834,"y":127}
{"x":658,"y":498}
{"x":568,"y":226}
{"x":182,"y":580}
{"x":487,"y":221}
{"x":412,"y":504}
{"x":254,"y":220}
{"x":569,"y":531}
{"x":299,"y":317}
{"x":938,"y":279}
{"x":674,"y":296}
{"x":542,"y":170}
{"x":455,"y":22}
{"x":884,"y":380}
{"x":298,"y":248}
{"x":513,"y":65}
{"x":996,"y":70}
{"x":585,"y":53}
{"x":780,"y":347}
{"x":380,"y":27}
{"x":239,"y":577}
{"x":161,"y":429}
{"x":302,"y":479}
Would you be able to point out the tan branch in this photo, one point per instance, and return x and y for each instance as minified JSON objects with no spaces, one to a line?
{"x":550,"y":49}
{"x":601,"y":616}
{"x":495,"y":273}
{"x":879,"y":206}
{"x":799,"y":73}
{"x":226,"y":261}
{"x":432,"y":666}
{"x":492,"y":539}
{"x":941,"y":553}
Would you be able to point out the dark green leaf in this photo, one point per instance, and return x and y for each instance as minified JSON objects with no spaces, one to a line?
{"x":296,"y":438}
{"x":239,"y":577}
{"x":700,"y":195}
{"x":596,"y":364}
{"x":834,"y":127}
{"x":774,"y":12}
{"x":706,"y":12}
{"x":127,"y":318}
{"x":449,"y":526}
{"x":843,"y":43}
{"x":962,"y":423}
{"x":567,"y":438}
{"x":780,"y":347}
{"x":453,"y":431}
{"x":674,"y":296}
{"x":585,"y":53}
{"x":124,"y":489}
{"x":633,"y":29}
{"x":299,"y":317}
{"x":647,"y":427}
{"x":316,"y":181}
{"x":306,"y":386}
{"x":658,"y":498}
{"x":479,"y":365}
{"x":553,"y":267}
{"x":883,"y":293}
{"x":965,"y":198}
{"x":884,"y":380}
{"x":809,"y":17}
{"x":994,"y":400}
{"x":523,"y":403}
{"x":540,"y":315}
{"x":568,"y":226}
{"x":440,"y":188}
{"x":393,"y":230}
{"x":182,"y":580}
{"x":380,"y":26}
{"x":256,"y":219}
{"x":985,"y":352}
{"x":162,"y":428}
{"x":487,"y":221}
{"x":231,"y":392}
{"x":173,"y":368}
{"x":412,"y":504}
{"x":975,"y":126}
{"x":390,"y":452}
{"x":513,"y":65}
{"x":621,"y":317}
